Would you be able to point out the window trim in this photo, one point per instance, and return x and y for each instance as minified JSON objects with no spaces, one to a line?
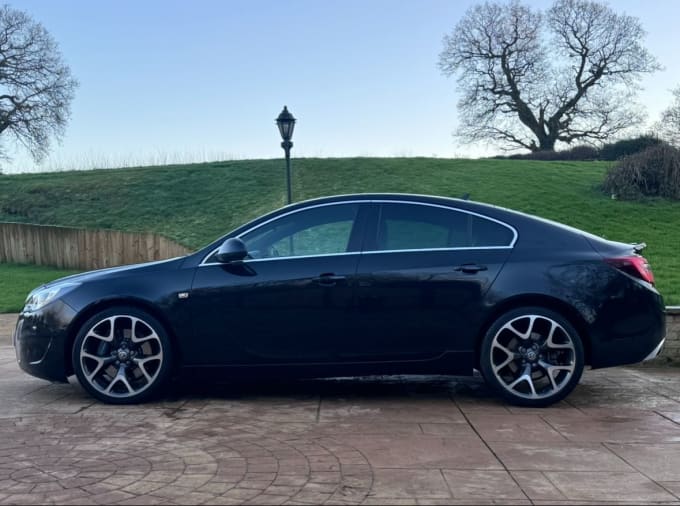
{"x":371,"y":252}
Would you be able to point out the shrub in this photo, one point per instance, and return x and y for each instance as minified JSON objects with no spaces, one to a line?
{"x":652,"y":172}
{"x":626,"y":147}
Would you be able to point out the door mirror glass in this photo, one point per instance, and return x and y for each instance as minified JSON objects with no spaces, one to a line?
{"x":232,"y":250}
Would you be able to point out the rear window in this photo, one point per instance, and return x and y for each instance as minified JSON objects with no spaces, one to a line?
{"x":487,"y":233}
{"x":415,"y":226}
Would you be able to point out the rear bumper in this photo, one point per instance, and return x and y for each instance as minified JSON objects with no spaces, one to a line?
{"x":655,"y":352}
{"x":40,"y":341}
{"x":629,"y":330}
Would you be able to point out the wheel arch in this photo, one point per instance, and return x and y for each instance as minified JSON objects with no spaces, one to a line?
{"x":538,"y":300}
{"x":103,"y":304}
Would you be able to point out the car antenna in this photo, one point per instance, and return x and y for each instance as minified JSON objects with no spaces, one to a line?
{"x":465,"y":196}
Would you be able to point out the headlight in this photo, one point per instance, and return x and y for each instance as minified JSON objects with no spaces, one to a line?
{"x":40,"y":297}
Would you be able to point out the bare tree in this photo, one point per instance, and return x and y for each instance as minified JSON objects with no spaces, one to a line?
{"x":530,"y":79}
{"x":669,"y":126}
{"x":36,"y":86}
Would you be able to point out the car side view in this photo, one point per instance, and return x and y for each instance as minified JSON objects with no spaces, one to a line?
{"x":356,"y":285}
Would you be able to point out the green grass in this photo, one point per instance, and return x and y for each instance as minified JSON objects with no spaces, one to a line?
{"x":17,"y":280}
{"x":194,"y":204}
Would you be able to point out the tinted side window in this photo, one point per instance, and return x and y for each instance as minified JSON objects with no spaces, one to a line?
{"x":413,"y":226}
{"x":317,"y":231}
{"x":487,"y":233}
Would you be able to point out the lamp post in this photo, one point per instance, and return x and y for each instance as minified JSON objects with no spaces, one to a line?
{"x":286,"y":124}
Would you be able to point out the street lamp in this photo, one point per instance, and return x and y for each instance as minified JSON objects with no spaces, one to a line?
{"x":286,"y":124}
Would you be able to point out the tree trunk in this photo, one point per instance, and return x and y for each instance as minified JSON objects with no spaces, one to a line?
{"x":547,"y":144}
{"x":546,"y":141}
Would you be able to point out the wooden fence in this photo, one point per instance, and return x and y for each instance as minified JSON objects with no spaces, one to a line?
{"x":83,"y":249}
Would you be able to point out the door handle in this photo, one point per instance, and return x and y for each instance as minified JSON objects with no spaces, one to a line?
{"x":471,"y":268}
{"x":328,"y":279}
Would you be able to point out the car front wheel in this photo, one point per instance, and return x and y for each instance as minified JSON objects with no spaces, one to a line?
{"x":122,"y":356}
{"x":532,"y":356}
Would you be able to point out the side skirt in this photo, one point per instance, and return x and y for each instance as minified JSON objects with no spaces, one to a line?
{"x":450,"y":363}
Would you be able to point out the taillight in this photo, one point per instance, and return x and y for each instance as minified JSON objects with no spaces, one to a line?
{"x":635,"y":265}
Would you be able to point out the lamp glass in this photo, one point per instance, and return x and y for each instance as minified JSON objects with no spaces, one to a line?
{"x":286,"y":124}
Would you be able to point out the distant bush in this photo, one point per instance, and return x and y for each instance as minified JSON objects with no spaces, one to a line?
{"x":626,"y":147}
{"x":609,"y":152}
{"x":584,"y":153}
{"x":577,"y":153}
{"x":652,"y":172}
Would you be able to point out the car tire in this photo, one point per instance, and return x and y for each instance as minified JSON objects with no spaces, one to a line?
{"x":532,"y":356}
{"x":122,"y":355}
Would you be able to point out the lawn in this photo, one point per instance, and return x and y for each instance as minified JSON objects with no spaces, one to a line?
{"x":193,"y":204}
{"x":17,"y":280}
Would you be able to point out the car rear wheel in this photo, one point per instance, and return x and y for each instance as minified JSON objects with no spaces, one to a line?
{"x":532,"y":356}
{"x":122,"y":356}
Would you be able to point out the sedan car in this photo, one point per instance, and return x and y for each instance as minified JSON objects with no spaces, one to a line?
{"x":356,"y":285}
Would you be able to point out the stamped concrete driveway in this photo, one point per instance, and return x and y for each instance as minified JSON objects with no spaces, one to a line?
{"x":423,"y":440}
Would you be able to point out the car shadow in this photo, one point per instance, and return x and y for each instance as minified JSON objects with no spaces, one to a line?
{"x":364,"y":386}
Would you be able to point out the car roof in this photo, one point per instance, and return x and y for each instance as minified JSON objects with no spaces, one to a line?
{"x":400,"y":197}
{"x":490,"y":210}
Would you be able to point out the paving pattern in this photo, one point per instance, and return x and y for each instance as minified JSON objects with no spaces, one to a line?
{"x":422,"y":440}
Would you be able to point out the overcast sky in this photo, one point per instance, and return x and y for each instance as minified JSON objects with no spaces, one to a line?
{"x":164,"y":80}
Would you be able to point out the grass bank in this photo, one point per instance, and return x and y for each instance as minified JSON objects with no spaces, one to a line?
{"x":193,"y":204}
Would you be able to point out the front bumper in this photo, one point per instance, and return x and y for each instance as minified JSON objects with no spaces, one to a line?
{"x":40,"y":340}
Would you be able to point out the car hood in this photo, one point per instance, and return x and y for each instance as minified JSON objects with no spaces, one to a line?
{"x":123,"y":270}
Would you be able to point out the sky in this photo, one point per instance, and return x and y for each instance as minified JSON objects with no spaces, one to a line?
{"x":166,"y":80}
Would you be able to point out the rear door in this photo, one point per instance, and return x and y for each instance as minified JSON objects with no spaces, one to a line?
{"x":422,"y":278}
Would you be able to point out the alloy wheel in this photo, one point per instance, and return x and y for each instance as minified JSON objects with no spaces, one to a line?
{"x":533,"y":357}
{"x":121,"y":356}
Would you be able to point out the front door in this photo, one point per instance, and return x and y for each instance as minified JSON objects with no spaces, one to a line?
{"x":290,"y":301}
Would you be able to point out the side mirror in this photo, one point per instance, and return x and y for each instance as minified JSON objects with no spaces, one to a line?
{"x":232,"y":250}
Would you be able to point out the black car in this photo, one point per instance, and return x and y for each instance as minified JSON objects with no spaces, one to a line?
{"x":357,"y":285}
